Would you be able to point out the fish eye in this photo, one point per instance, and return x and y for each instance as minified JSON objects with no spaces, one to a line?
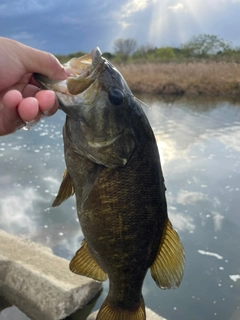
{"x":116,"y":96}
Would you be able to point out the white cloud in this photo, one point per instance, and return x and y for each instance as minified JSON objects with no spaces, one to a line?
{"x":217,"y":220}
{"x":233,"y":1}
{"x":52,"y":180}
{"x":182,"y":222}
{"x":230,"y":136}
{"x":131,"y":7}
{"x":190,"y":198}
{"x":178,"y":6}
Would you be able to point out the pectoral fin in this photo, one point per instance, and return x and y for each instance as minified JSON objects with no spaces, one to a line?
{"x":85,"y":265}
{"x":65,"y":191}
{"x":168,"y":266}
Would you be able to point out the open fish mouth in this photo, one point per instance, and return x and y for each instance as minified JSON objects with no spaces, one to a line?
{"x":83,"y":72}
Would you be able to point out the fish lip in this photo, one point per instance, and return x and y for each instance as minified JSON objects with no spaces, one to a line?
{"x":85,"y":64}
{"x":83,"y":67}
{"x":96,"y":55}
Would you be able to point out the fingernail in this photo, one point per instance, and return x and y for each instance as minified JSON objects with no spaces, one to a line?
{"x":46,"y":114}
{"x":68,"y":72}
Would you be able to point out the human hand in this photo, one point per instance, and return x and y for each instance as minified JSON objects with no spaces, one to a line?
{"x":21,"y":100}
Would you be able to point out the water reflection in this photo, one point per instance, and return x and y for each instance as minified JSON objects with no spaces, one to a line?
{"x":199,"y":143}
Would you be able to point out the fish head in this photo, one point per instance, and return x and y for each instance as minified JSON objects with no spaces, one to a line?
{"x":99,"y":105}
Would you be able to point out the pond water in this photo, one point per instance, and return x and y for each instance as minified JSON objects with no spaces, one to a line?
{"x":199,"y":143}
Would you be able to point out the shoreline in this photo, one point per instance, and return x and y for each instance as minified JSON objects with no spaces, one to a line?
{"x":213,"y":79}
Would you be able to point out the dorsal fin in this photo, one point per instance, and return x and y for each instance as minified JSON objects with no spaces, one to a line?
{"x":168,"y":266}
{"x":85,"y":265}
{"x":65,"y":191}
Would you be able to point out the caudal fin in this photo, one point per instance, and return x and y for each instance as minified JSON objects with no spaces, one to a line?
{"x":110,"y":312}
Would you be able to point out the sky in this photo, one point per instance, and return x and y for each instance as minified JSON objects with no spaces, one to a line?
{"x":68,"y":26}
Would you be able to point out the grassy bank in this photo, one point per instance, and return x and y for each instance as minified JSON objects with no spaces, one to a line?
{"x":196,"y":78}
{"x":186,"y":77}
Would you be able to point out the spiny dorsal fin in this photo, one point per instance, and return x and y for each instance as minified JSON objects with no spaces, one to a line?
{"x":65,"y":191}
{"x":168,"y":266}
{"x":85,"y":265}
{"x":110,"y":312}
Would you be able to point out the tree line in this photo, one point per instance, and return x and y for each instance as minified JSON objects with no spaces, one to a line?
{"x":202,"y":46}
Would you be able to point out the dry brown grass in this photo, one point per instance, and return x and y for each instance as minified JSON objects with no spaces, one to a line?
{"x":209,"y":78}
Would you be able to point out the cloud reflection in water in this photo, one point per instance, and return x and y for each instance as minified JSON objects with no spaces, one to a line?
{"x":201,"y":165}
{"x":16,"y":209}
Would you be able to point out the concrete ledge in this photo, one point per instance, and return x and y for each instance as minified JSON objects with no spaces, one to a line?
{"x":40,"y":283}
{"x":149,"y":313}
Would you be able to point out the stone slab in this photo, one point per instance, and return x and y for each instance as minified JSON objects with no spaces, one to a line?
{"x":39,"y":283}
{"x":150,"y":315}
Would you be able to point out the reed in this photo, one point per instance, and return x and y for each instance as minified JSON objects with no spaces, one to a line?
{"x":195,"y":78}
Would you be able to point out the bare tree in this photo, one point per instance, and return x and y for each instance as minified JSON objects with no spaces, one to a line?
{"x":125,"y":47}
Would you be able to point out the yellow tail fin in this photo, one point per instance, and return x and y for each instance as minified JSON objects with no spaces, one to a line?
{"x":110,"y":312}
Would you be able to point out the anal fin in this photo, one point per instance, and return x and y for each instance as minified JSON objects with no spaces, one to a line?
{"x":168,"y":266}
{"x":85,"y":265}
{"x":65,"y":191}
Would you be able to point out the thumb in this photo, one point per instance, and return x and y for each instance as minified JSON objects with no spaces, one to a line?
{"x":37,"y":61}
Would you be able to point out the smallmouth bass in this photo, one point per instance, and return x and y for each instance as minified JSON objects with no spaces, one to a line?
{"x":114,"y":169}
